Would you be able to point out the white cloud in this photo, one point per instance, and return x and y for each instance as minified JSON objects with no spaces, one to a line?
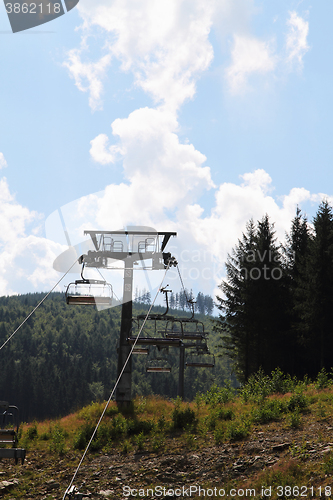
{"x":163,"y":173}
{"x":164,"y":44}
{"x":3,"y":162}
{"x":296,"y":40}
{"x":252,"y":56}
{"x":102,"y":154}
{"x":26,"y":260}
{"x":203,"y":240}
{"x":88,"y":75}
{"x":249,"y":56}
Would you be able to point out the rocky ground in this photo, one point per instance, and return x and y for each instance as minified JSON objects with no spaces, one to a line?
{"x":241,"y":464}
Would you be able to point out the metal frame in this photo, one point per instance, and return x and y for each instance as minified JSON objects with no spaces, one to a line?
{"x":8,"y":435}
{"x":73,"y":298}
{"x":199,"y":353}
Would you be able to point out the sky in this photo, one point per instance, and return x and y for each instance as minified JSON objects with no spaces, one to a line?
{"x":182,"y":115}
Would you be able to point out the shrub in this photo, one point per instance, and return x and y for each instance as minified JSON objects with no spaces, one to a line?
{"x":260,"y":385}
{"x":297,"y":401}
{"x":295,"y":419}
{"x":82,"y":436}
{"x":140,"y":441}
{"x":238,"y":430}
{"x":183,"y":418}
{"x":268,"y":411}
{"x":217,"y":395}
{"x":158,"y":442}
{"x":32,"y":432}
{"x":137,"y":426}
{"x":57,"y":440}
{"x":118,"y":427}
{"x":328,"y":464}
{"x":322,"y":380}
{"x":219,"y":434}
{"x":127,"y":447}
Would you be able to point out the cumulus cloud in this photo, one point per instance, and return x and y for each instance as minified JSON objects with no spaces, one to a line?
{"x":101,"y":152}
{"x":204,"y":240}
{"x":164,"y":44}
{"x":166,"y":47}
{"x":162,"y":173}
{"x":3,"y":162}
{"x":26,"y":260}
{"x":88,"y":75}
{"x":296,"y":41}
{"x":250,"y":56}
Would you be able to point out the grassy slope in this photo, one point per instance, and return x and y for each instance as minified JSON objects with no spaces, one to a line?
{"x":246,"y":441}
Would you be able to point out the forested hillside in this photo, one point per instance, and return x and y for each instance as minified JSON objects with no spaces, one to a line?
{"x":66,"y":356}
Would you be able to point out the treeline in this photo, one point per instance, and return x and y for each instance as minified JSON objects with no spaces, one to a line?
{"x":277,"y":302}
{"x":66,"y":356}
{"x":203,"y":304}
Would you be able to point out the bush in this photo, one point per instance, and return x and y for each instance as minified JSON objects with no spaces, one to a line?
{"x":238,"y":430}
{"x":138,"y":426}
{"x":82,"y":436}
{"x":297,"y":402}
{"x":217,"y":395}
{"x":295,"y":419}
{"x":57,"y":440}
{"x":32,"y":432}
{"x":260,"y":385}
{"x":118,"y":427}
{"x":183,"y":418}
{"x":268,"y":411}
{"x":323,"y":380}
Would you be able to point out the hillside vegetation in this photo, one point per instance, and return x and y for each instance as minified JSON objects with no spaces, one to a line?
{"x":274,"y":436}
{"x":65,"y":357}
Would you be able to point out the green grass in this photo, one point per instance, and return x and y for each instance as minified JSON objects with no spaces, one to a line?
{"x":219,"y":418}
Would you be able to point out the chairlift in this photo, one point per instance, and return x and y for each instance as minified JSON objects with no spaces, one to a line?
{"x":200,"y":358}
{"x":184,"y":329}
{"x":158,"y":365}
{"x":140,"y":350}
{"x":89,"y":292}
{"x":9,"y":425}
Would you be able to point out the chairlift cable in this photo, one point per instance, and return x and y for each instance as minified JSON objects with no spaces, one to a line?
{"x":114,"y":293}
{"x":100,"y":274}
{"x":39,"y":304}
{"x":184,"y":289}
{"x":114,"y":388}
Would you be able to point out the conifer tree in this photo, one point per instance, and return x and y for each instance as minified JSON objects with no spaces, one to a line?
{"x":235,"y":323}
{"x":253,"y":302}
{"x":317,"y":294}
{"x":295,"y":253}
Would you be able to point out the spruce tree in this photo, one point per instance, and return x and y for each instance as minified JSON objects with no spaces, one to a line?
{"x":295,"y":253}
{"x":235,"y":320}
{"x":317,"y":289}
{"x":254,"y":301}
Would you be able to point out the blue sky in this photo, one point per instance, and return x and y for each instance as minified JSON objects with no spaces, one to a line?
{"x":190,"y":116}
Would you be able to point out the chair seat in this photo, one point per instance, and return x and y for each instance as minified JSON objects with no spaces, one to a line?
{"x":7,"y":436}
